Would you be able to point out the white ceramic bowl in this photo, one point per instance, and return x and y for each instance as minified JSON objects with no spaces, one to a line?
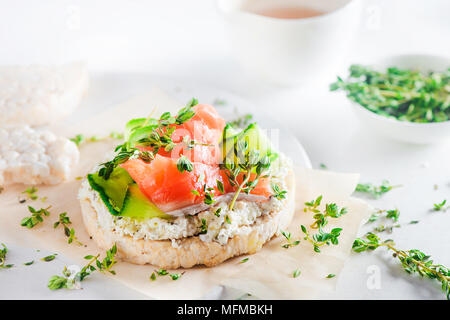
{"x":410,"y":132}
{"x":291,"y":51}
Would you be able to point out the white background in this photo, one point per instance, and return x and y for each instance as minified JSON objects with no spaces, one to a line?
{"x":187,"y":40}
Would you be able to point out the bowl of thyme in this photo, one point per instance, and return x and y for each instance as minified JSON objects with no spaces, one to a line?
{"x":404,"y":97}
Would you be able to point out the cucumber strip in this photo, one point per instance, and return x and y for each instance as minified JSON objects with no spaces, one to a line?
{"x":103,"y":195}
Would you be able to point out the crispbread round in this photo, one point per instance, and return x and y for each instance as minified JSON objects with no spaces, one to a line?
{"x":190,"y":251}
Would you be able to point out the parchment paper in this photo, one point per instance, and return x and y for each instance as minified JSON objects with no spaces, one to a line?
{"x":267,"y":274}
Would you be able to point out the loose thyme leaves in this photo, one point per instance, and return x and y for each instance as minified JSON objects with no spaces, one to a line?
{"x":321,"y":220}
{"x":70,"y":280}
{"x":331,"y":275}
{"x":440,"y":206}
{"x":64,"y":220}
{"x":412,"y":261}
{"x":296,"y":273}
{"x":3,"y":253}
{"x":31,"y":193}
{"x":163,"y":272}
{"x":28,"y":263}
{"x":36,"y":217}
{"x":290,"y":242}
{"x":390,"y":214}
{"x":406,"y":95}
{"x":375,"y":191}
{"x":278,"y":193}
{"x":49,"y":258}
{"x":80,"y":138}
{"x":244,"y":260}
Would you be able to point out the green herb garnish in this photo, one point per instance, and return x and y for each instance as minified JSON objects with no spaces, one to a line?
{"x":163,"y":272}
{"x":296,"y":273}
{"x":440,"y":206}
{"x":290,"y":242}
{"x":64,"y":220}
{"x":406,"y":95}
{"x":390,"y":214}
{"x":153,"y":135}
{"x":184,"y":164}
{"x":31,"y":193}
{"x":242,"y":121}
{"x":375,"y":191}
{"x":249,"y":161}
{"x":78,"y":139}
{"x":36,"y":217}
{"x":69,"y":281}
{"x":413,"y":261}
{"x":204,"y":227}
{"x":49,"y":258}
{"x":209,"y":195}
{"x":278,"y":193}
{"x":321,"y":220}
{"x":3,"y":253}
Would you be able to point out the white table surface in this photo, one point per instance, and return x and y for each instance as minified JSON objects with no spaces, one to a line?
{"x":186,"y":40}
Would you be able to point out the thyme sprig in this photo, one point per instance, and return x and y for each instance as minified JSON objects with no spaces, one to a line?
{"x":35,"y":218}
{"x":64,"y":220}
{"x":321,"y":220}
{"x":70,"y":280}
{"x":375,"y":191}
{"x":248,"y":162}
{"x":3,"y":253}
{"x":413,"y":261}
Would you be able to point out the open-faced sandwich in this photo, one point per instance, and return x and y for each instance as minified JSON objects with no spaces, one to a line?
{"x":188,"y":189}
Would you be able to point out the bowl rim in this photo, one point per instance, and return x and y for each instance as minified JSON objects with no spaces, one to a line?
{"x":395,"y":121}
{"x":380,"y":60}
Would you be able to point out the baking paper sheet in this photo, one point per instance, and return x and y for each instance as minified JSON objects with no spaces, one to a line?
{"x":267,"y":274}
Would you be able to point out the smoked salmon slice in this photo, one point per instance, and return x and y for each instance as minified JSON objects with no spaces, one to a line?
{"x":168,"y":188}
